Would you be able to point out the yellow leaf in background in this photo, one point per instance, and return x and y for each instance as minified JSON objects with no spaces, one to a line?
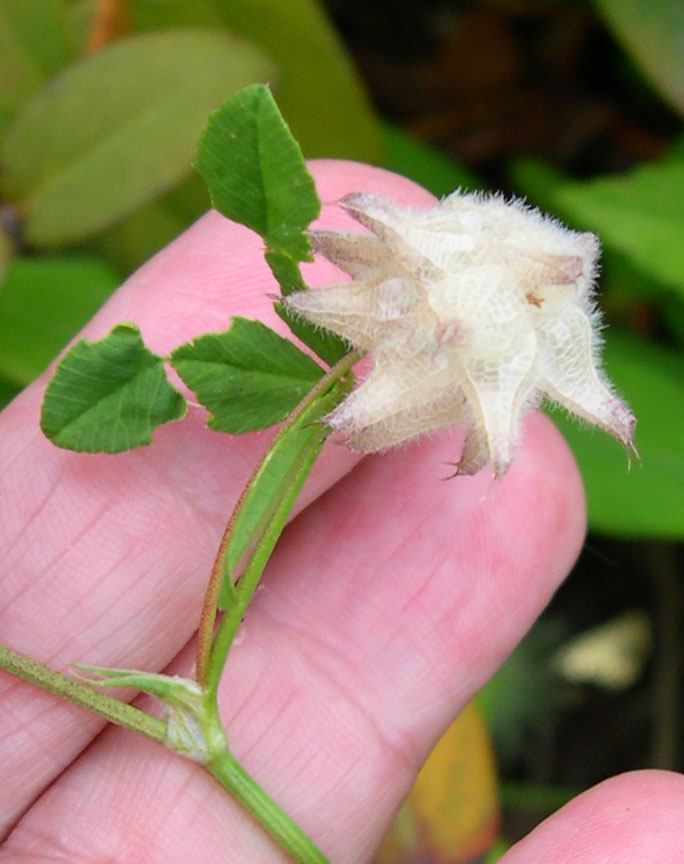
{"x":451,"y":814}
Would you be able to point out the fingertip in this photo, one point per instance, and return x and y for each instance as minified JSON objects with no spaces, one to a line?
{"x":634,"y":818}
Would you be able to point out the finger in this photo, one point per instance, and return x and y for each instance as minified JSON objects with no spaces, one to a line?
{"x":386,"y":606}
{"x":104,"y":558}
{"x":632,"y":819}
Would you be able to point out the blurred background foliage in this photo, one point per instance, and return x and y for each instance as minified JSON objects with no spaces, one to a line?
{"x":576,"y":105}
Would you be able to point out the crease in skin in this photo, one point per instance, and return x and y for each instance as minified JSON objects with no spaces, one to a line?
{"x":329,"y":664}
{"x":9,"y":542}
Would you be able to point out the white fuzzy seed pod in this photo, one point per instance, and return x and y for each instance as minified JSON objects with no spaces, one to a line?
{"x":473,"y":310}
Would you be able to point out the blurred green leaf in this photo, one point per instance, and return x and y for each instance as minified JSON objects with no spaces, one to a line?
{"x":537,"y":180}
{"x":141,"y":235}
{"x":108,"y":396}
{"x":43,"y":303}
{"x":639,"y":214}
{"x":79,"y":21}
{"x":498,"y":850}
{"x":318,"y":90}
{"x":414,"y":159}
{"x":248,"y":377}
{"x":8,"y":391}
{"x":653,"y":33}
{"x":523,"y":696}
{"x":646,"y":501}
{"x":153,"y":226}
{"x":118,"y":128}
{"x":672,"y":308}
{"x":33,"y":46}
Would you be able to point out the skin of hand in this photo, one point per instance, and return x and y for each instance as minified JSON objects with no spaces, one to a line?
{"x":391,"y":598}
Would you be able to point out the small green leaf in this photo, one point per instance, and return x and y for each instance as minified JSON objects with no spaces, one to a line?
{"x":646,"y":501}
{"x":118,"y":128}
{"x":248,"y":377}
{"x":256,"y":173}
{"x":653,"y":32}
{"x":109,"y":396}
{"x":43,"y":303}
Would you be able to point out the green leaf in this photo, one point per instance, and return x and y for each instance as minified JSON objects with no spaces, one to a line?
{"x":248,"y":377}
{"x":256,"y":173}
{"x":272,"y":492}
{"x":33,"y":45}
{"x":118,"y":128}
{"x":646,"y":501}
{"x":318,"y":90}
{"x":653,"y":33}
{"x":639,"y":214}
{"x":109,"y":396}
{"x":8,"y":391}
{"x":43,"y":303}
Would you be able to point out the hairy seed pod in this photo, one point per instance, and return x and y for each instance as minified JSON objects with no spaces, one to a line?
{"x":473,"y":311}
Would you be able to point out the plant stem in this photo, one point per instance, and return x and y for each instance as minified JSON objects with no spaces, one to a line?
{"x":249,"y":578}
{"x":233,"y":777}
{"x":114,"y":710}
{"x":110,"y":20}
{"x":205,"y":636}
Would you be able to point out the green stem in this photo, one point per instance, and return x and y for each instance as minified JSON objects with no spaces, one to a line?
{"x":233,"y":777}
{"x":207,"y":655}
{"x":114,"y":710}
{"x":249,"y":578}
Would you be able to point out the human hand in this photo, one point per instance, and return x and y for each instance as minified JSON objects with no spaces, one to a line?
{"x":390,"y":600}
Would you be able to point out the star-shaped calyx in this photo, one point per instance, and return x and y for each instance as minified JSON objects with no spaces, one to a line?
{"x":473,"y":311}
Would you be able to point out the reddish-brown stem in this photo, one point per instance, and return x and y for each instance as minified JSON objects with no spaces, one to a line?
{"x":110,"y":21}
